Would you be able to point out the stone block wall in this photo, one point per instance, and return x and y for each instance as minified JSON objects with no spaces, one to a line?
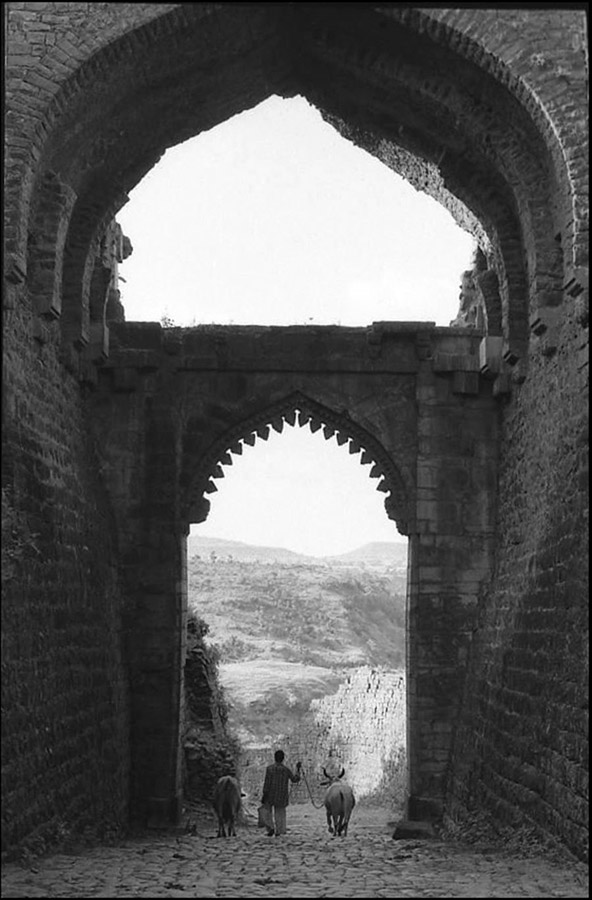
{"x":362,"y":726}
{"x":365,"y":723}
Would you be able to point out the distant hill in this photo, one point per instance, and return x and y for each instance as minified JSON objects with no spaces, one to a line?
{"x":205,"y":546}
{"x":378,"y":553}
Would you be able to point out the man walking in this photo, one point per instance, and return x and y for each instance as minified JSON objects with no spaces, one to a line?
{"x":275,"y":792}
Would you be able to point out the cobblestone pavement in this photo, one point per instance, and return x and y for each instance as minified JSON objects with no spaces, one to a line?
{"x":306,"y":862}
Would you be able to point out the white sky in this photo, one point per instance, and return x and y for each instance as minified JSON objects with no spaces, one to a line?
{"x":300,"y":491}
{"x":272,"y":218}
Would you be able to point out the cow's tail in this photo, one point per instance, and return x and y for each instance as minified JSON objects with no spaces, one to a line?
{"x":341,"y":821}
{"x":227,"y":811}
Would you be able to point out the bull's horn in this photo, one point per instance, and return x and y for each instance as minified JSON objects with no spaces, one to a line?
{"x":342,"y":773}
{"x":325,"y":772}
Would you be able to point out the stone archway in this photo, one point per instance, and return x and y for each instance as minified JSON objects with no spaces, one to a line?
{"x":409,"y":86}
{"x":485,"y":112}
{"x":300,"y":411}
{"x":172,"y":408}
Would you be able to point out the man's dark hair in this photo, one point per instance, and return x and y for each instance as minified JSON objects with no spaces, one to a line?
{"x":279,"y":756}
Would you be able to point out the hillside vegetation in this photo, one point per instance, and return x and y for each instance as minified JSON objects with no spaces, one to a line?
{"x":289,"y":628}
{"x":330,"y":612}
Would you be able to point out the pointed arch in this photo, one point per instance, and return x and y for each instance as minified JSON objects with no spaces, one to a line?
{"x":297,"y":408}
{"x":436,"y":95}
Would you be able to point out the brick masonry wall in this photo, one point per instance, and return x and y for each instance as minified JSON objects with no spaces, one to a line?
{"x":522,"y":747}
{"x":64,"y":687}
{"x":529,"y":52}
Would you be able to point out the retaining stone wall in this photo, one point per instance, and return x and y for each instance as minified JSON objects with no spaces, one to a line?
{"x":362,"y":725}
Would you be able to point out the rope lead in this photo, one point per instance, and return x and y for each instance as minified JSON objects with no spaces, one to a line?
{"x":320,"y":806}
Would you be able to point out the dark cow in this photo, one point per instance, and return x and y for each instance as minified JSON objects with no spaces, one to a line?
{"x":227,"y":804}
{"x":339,"y":804}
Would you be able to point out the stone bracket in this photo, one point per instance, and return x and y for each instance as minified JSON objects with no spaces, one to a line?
{"x":578,"y":283}
{"x":545,"y":324}
{"x":490,"y":355}
{"x":15,"y":270}
{"x":576,"y":289}
{"x":467,"y":368}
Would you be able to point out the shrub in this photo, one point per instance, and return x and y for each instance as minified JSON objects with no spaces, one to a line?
{"x":210,"y":749}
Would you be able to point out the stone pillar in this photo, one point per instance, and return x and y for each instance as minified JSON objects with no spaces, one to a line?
{"x":157,"y":629}
{"x":450,"y":563}
{"x":157,"y":655}
{"x":413,"y":786}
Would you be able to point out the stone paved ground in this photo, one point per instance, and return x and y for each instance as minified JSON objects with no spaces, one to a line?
{"x":307,"y":862}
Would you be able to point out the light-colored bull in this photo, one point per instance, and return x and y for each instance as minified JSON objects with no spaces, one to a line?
{"x":339,"y":804}
{"x":227,"y":804}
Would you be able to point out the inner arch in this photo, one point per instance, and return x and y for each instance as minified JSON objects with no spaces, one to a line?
{"x":201,"y":474}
